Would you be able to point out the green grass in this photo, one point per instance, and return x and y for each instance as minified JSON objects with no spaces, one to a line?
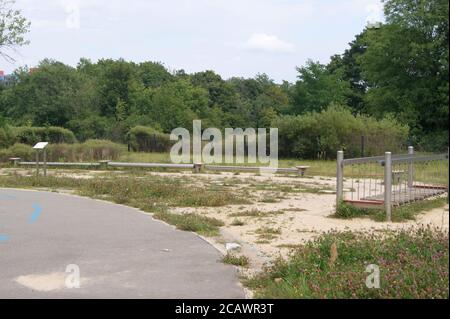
{"x":399,"y":214}
{"x":237,"y":222}
{"x":289,"y":188}
{"x":191,"y":222}
{"x":268,"y":233}
{"x":231,"y":259}
{"x":256,"y":213}
{"x":413,"y":264}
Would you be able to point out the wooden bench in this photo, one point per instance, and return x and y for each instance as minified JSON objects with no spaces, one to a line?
{"x":14,"y":161}
{"x":302,"y":170}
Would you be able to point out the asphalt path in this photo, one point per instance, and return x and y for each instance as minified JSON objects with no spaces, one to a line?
{"x":62,"y":246}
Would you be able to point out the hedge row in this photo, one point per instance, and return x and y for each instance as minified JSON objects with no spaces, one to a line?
{"x":146,"y":139}
{"x":323,"y":134}
{"x":31,"y":135}
{"x":91,"y":150}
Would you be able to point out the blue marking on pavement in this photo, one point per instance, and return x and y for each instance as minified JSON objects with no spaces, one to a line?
{"x":3,"y":238}
{"x":37,"y":212}
{"x":4,"y":196}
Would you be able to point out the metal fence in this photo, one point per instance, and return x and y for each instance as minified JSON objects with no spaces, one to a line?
{"x":387,"y":181}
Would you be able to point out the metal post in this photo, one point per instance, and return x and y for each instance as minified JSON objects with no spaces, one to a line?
{"x":363,"y":145}
{"x":45,"y":162}
{"x":388,"y":185}
{"x":37,"y":162}
{"x":410,"y":168}
{"x":339,"y":178}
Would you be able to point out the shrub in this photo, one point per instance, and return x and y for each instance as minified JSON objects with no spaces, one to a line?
{"x":146,"y":139}
{"x":322,"y":134}
{"x":98,"y":150}
{"x":32,"y":135}
{"x":25,"y":152}
{"x":6,"y":136}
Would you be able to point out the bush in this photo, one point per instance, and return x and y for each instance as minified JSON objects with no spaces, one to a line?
{"x":434,"y":142}
{"x":6,"y":136}
{"x":146,"y":139}
{"x":99,"y":150}
{"x":25,"y":152}
{"x":52,"y":134}
{"x":322,"y":134}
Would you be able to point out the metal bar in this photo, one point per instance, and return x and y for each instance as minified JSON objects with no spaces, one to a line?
{"x":151,"y":165}
{"x":59,"y":164}
{"x":339,"y":178}
{"x":373,"y":159}
{"x":388,"y":185}
{"x":410,"y":167}
{"x":249,"y":168}
{"x":428,"y":158}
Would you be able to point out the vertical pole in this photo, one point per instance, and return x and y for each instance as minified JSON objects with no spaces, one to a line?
{"x":45,"y":162}
{"x":363,"y":145}
{"x":410,"y":168}
{"x":388,"y":185}
{"x":448,"y":172}
{"x":339,"y":178}
{"x":37,"y":162}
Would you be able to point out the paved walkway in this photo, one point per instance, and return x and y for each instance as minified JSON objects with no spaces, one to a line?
{"x":120,"y":252}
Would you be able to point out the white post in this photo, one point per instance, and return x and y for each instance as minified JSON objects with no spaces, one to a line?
{"x":410,"y":168}
{"x":388,"y":185}
{"x":339,"y":178}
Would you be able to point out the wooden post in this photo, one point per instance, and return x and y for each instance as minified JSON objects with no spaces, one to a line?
{"x":45,"y":162}
{"x":388,"y":185}
{"x":14,"y":161}
{"x":104,"y":164}
{"x":37,"y":162}
{"x":339,"y":178}
{"x":198,"y":167}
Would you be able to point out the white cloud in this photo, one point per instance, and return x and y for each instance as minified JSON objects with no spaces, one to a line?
{"x":267,"y":43}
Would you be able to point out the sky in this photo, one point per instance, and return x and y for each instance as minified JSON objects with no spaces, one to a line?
{"x":232,"y":37}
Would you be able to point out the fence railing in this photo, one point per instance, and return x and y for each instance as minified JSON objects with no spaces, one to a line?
{"x":196,"y":167}
{"x":387,"y":181}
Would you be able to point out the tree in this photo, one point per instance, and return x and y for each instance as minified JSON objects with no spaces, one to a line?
{"x":406,"y":64}
{"x":347,"y":65}
{"x":13,"y":27}
{"x":317,"y":88}
{"x":52,"y":95}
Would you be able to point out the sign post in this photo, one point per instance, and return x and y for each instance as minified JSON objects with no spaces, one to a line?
{"x":41,"y":147}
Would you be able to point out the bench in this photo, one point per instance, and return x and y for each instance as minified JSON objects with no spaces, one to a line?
{"x":302,"y":170}
{"x":397,"y":175}
{"x":14,"y":161}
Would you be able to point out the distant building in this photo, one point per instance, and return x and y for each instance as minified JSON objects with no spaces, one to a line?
{"x":7,"y":79}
